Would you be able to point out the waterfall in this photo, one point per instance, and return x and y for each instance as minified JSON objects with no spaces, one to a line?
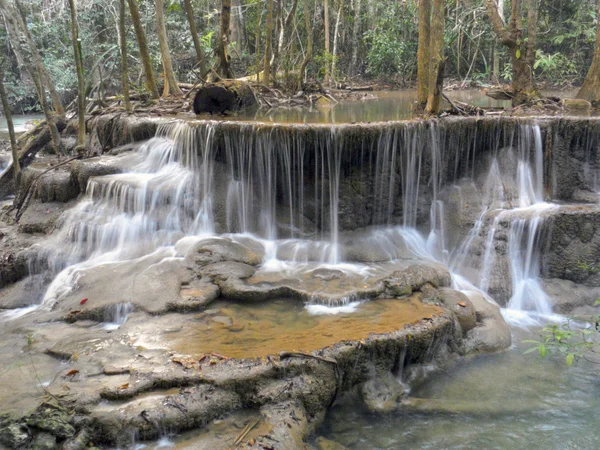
{"x":300,"y":190}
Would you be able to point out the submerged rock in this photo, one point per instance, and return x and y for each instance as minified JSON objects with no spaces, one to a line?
{"x":383,"y":393}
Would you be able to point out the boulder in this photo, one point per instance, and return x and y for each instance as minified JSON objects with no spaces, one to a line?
{"x":461,"y":306}
{"x":15,"y":435}
{"x":492,"y":333}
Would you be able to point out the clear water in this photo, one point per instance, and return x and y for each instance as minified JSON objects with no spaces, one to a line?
{"x":504,"y":401}
{"x":21,"y":123}
{"x":374,"y":107}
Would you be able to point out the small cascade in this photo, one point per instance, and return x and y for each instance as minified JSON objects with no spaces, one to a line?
{"x":527,"y":295}
{"x":117,"y":315}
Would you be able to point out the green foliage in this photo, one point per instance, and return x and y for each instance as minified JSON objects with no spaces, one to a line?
{"x":392,"y":42}
{"x":569,"y":340}
{"x":554,"y":66}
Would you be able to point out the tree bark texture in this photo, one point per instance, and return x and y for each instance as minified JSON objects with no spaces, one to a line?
{"x":268,"y":43}
{"x":522,"y":51}
{"x":224,"y":68}
{"x":590,"y":90}
{"x":123,"y":47}
{"x":437,"y":61}
{"x":140,"y":36}
{"x":355,"y":41}
{"x":189,"y":12}
{"x":423,"y":55}
{"x":11,"y":129}
{"x":80,"y":80}
{"x":171,"y":85}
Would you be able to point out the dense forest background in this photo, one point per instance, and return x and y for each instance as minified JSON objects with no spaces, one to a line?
{"x":352,"y":40}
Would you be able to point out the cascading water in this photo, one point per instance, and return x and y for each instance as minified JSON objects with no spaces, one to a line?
{"x":298,"y":190}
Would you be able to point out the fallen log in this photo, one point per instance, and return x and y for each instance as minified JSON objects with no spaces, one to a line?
{"x":499,"y":94}
{"x":359,"y":88}
{"x":223,"y":97}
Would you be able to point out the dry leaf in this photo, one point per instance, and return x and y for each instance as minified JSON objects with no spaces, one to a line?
{"x":82,"y":302}
{"x":463,"y":304}
{"x":71,"y":373}
{"x":123,"y":387}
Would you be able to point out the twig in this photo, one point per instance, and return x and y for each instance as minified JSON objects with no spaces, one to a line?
{"x":284,"y":355}
{"x":245,"y":431}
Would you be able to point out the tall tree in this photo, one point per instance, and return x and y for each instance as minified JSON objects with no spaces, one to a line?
{"x":309,"y":43}
{"x":123,"y":48}
{"x":521,"y":43}
{"x":36,"y":72}
{"x":590,"y":90}
{"x":11,"y":129}
{"x":423,"y":51}
{"x":326,"y":23}
{"x":336,"y":37}
{"x":355,"y":41}
{"x":268,"y":43}
{"x":437,"y":63}
{"x":80,"y":81}
{"x":18,"y":19}
{"x":284,"y":35}
{"x":189,"y":12}
{"x":140,"y":36}
{"x":238,"y":25}
{"x":223,"y":67}
{"x":171,"y":84}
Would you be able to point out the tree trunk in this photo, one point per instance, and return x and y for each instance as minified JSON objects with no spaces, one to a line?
{"x":522,"y":52}
{"x":144,"y":51}
{"x":284,"y":35}
{"x":308,"y":55}
{"x":355,"y":40}
{"x":123,"y":47}
{"x":423,"y":55}
{"x":326,"y":23}
{"x":257,"y":44}
{"x":36,"y":72}
{"x":37,"y":59}
{"x":437,"y":63}
{"x":496,"y":69}
{"x":80,"y":81}
{"x":171,"y":85}
{"x":590,"y":90}
{"x":194,"y":32}
{"x":238,"y":27}
{"x":336,"y":31}
{"x":11,"y":129}
{"x":223,"y":68}
{"x":268,"y":42}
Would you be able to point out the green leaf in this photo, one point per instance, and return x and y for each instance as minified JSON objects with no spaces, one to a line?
{"x":542,"y":349}
{"x":530,"y":350}
{"x":597,"y":302}
{"x":518,"y":54}
{"x":570,"y":359}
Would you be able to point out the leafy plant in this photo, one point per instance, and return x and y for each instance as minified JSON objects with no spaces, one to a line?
{"x":569,"y":340}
